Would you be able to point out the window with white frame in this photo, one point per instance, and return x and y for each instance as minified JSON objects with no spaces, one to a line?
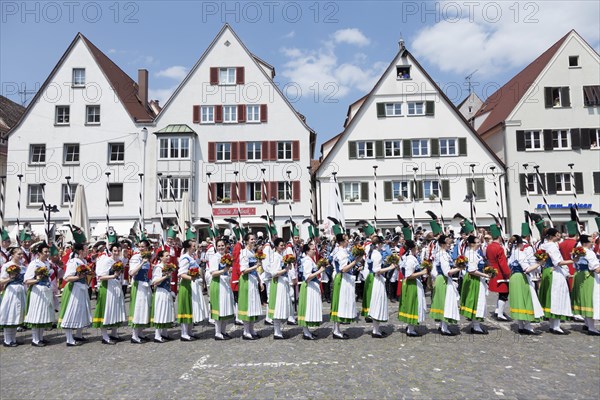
{"x":284,"y":151}
{"x":400,"y":190}
{"x":174,"y":148}
{"x":78,"y":76}
{"x":253,"y":191}
{"x":92,"y":114}
{"x":351,"y":191}
{"x":416,"y":108}
{"x":420,"y":147}
{"x":534,"y":140}
{"x":71,"y":153}
{"x":115,"y":192}
{"x":116,"y":152}
{"x":561,"y":139}
{"x":226,"y":76}
{"x":253,"y":113}
{"x":431,"y":189}
{"x":560,"y":97}
{"x":284,"y":191}
{"x":223,"y":151}
{"x":448,"y":147}
{"x":223,"y":192}
{"x":594,"y":138}
{"x":179,"y":185}
{"x":34,"y":195}
{"x":532,"y":184}
{"x":207,"y":114}
{"x":37,"y":154}
{"x":253,"y":151}
{"x":230,"y":114}
{"x":365,"y":149}
{"x":563,"y":183}
{"x":393,"y":109}
{"x":392,"y":148}
{"x":65,"y":193}
{"x":62,"y":115}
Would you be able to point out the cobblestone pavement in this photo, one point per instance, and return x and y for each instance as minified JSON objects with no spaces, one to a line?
{"x":502,"y":365}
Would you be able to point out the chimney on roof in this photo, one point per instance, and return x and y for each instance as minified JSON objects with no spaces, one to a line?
{"x":401,"y":42}
{"x":143,"y":86}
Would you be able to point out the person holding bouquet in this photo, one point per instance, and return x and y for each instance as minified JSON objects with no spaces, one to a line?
{"x":378,"y":304}
{"x":163,"y":310}
{"x":110,"y":307}
{"x":191,"y":307}
{"x":586,"y":284}
{"x":12,"y":307}
{"x":221,"y":294}
{"x":279,"y":296}
{"x":444,"y":305}
{"x":141,"y":292}
{"x":75,"y":310}
{"x":310,"y":306}
{"x":249,"y":304}
{"x":40,"y":303}
{"x":412,"y":307}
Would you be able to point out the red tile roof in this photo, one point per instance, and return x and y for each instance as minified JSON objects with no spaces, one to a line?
{"x":500,"y":104}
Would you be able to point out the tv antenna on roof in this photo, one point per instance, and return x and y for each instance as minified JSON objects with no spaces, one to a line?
{"x":468,"y":79}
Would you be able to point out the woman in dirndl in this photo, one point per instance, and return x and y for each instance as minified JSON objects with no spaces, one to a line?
{"x":40,"y":302}
{"x":474,"y":287}
{"x":412,"y":307}
{"x":221,"y":295}
{"x":378,"y":307}
{"x":249,"y":304}
{"x":279,"y":296}
{"x":525,"y":307}
{"x":163,"y":308}
{"x":444,"y":305}
{"x":310,"y":307}
{"x":191,"y":307}
{"x":343,"y":299}
{"x":586,"y":286}
{"x":140,"y":305}
{"x":75,"y":310}
{"x":12,"y":307}
{"x":110,"y":307}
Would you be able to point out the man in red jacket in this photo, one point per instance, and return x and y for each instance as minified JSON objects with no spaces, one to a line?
{"x":497,"y":259}
{"x":567,"y":245}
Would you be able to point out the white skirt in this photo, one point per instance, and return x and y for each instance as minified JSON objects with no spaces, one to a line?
{"x":282,"y":298}
{"x":12,"y":308}
{"x":347,"y":300}
{"x":143,"y":302}
{"x":378,"y":309}
{"x":560,"y":300}
{"x":421,"y":300}
{"x":200,"y":310}
{"x":451,"y":300}
{"x":481,"y":304}
{"x":254,"y":303}
{"x":314,"y":306}
{"x":78,"y":313}
{"x":114,"y":309}
{"x":164,"y":307}
{"x":596,"y":298}
{"x":41,"y":306}
{"x":538,"y":311}
{"x":226,"y":301}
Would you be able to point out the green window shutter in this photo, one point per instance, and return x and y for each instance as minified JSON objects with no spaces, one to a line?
{"x":523,"y":184}
{"x":445,"y":189}
{"x":341,"y":188}
{"x":429,"y":107}
{"x":380,"y":110}
{"x":387,"y":191}
{"x":480,"y":188}
{"x":462,"y":146}
{"x":596,"y":178}
{"x":551,"y":183}
{"x":420,"y":190}
{"x":578,"y":183}
{"x":351,"y":150}
{"x":548,"y":100}
{"x":435,"y":147}
{"x":548,"y":145}
{"x":406,"y":148}
{"x":364,"y":191}
{"x":520,"y":140}
{"x":379,"y":149}
{"x":565,"y":97}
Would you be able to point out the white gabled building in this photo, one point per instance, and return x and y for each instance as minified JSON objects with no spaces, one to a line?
{"x":86,"y":120}
{"x":228,"y":115}
{"x":406,"y":121}
{"x":549,"y":115}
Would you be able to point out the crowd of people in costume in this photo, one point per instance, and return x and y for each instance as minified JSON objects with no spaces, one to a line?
{"x":243,"y":277}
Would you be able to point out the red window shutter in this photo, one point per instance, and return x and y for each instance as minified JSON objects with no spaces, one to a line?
{"x":242,"y":192}
{"x":273,"y":192}
{"x":296,"y":191}
{"x":263,"y":113}
{"x":241,"y":112}
{"x":239,"y":76}
{"x":213,"y":190}
{"x":265,"y":151}
{"x":296,"y":150}
{"x":232,"y":191}
{"x":196,"y":115}
{"x":214,"y":75}
{"x":273,"y":151}
{"x":219,"y":113}
{"x":212,"y":151}
{"x":242,"y":149}
{"x":234,"y":151}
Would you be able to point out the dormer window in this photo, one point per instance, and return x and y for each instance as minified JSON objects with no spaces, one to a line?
{"x":403,"y":71}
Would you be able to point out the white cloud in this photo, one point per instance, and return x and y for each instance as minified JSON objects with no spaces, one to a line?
{"x":162,"y":95}
{"x":290,"y":35}
{"x":351,"y":36}
{"x":175,"y":72}
{"x":481,"y":40}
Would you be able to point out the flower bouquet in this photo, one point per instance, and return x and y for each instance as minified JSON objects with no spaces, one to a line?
{"x":83,"y":270}
{"x":578,"y":252}
{"x":358,"y":251}
{"x":226,"y":260}
{"x":392,"y":259}
{"x":117,"y":268}
{"x":260,"y":255}
{"x":42,"y":273}
{"x":146,"y":255}
{"x":461,"y":262}
{"x":426,"y":264}
{"x":541,"y":255}
{"x":289,"y":259}
{"x":13,"y":270}
{"x":194,"y":273}
{"x":322,"y":263}
{"x":168,"y":269}
{"x":489,"y":270}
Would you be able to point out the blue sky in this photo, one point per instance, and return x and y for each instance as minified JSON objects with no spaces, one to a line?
{"x":326,"y":54}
